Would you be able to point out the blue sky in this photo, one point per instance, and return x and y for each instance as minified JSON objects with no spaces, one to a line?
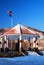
{"x":27,"y":12}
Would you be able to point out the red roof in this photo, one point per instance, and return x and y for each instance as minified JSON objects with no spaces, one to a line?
{"x":19,"y":29}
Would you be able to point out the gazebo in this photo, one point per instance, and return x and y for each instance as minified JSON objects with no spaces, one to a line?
{"x":18,"y":30}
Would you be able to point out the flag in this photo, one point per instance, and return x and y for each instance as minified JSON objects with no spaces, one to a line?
{"x":10,"y":13}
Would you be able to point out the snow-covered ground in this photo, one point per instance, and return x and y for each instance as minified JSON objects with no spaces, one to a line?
{"x":33,"y":53}
{"x":32,"y":59}
{"x":24,"y":60}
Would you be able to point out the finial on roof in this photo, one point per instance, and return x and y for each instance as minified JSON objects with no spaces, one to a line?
{"x":19,"y":24}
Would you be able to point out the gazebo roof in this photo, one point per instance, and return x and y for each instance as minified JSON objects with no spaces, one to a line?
{"x":19,"y":29}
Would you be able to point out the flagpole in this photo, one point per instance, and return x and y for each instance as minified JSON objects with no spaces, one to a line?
{"x":11,"y":17}
{"x":11,"y":21}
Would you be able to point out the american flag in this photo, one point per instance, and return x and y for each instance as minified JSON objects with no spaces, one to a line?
{"x":10,"y":13}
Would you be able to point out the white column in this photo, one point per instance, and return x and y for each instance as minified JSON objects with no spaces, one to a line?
{"x":6,"y":39}
{"x":20,"y":38}
{"x":34,"y":44}
{"x":4,"y":44}
{"x":1,"y":42}
{"x":7,"y":42}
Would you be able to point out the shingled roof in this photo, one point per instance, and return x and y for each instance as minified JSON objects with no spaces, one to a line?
{"x":20,"y":29}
